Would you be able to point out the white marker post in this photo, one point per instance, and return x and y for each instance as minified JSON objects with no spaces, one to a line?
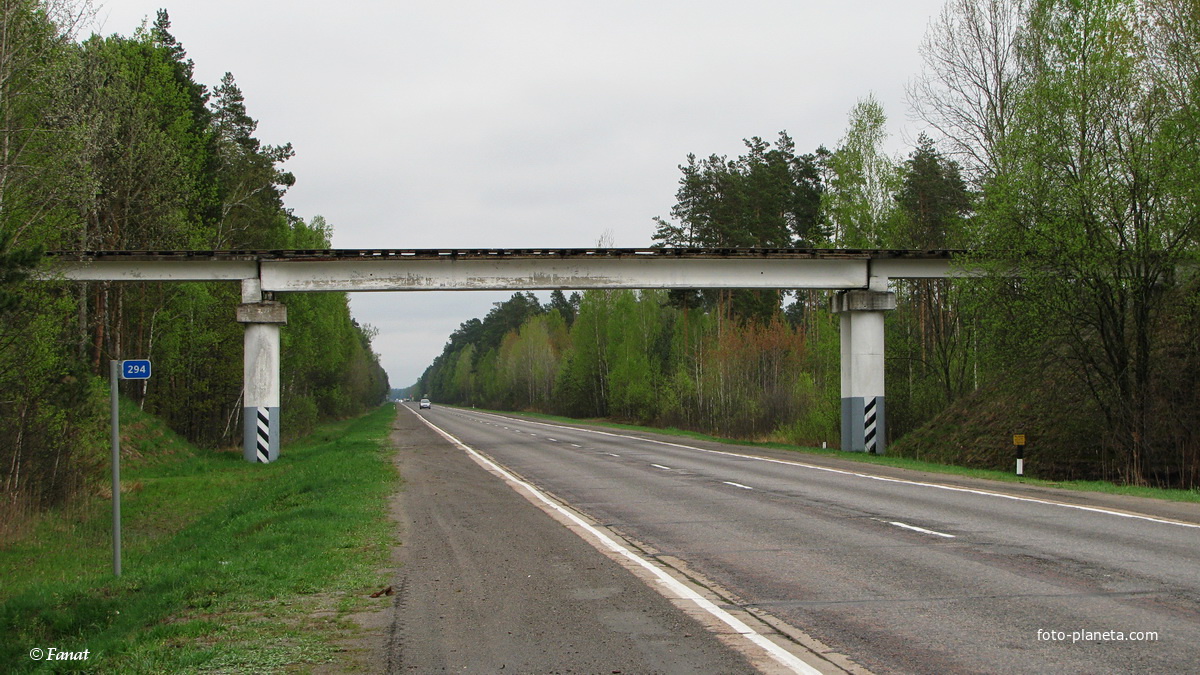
{"x":124,"y":370}
{"x":1019,"y":441}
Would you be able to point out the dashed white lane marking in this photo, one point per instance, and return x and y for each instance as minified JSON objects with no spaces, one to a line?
{"x":920,"y":529}
{"x":660,"y":466}
{"x":576,"y":445}
{"x":885,"y":479}
{"x":552,"y":439}
{"x":737,"y":485}
{"x":612,"y":454}
{"x":783,"y":656}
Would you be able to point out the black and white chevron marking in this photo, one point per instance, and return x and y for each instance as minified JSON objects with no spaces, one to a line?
{"x":869,"y":425}
{"x":263,"y":445}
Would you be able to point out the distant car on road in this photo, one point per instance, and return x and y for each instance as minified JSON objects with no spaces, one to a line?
{"x":425,"y":403}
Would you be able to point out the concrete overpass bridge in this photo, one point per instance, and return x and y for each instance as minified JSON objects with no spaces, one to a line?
{"x":860,"y":278}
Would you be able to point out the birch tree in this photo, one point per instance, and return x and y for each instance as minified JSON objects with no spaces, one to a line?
{"x":968,"y":88}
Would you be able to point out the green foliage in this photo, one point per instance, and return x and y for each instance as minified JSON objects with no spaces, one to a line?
{"x":499,"y":365}
{"x":566,"y":307}
{"x":1098,"y":205}
{"x":859,"y":200}
{"x":15,"y":266}
{"x":632,"y":378}
{"x":769,"y":197}
{"x":931,"y":336}
{"x":635,"y":356}
{"x":146,"y":147}
{"x":934,"y":201}
{"x":250,"y":186}
{"x":110,"y":143}
{"x":584,"y":376}
{"x":185,"y":330}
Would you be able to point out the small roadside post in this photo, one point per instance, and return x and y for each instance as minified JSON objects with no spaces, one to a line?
{"x":120,"y":370}
{"x":1019,"y":441}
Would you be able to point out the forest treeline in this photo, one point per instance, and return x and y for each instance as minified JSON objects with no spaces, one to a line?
{"x":109,"y":143}
{"x":1063,"y":146}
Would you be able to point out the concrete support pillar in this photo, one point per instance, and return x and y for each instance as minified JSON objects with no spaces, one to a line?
{"x":260,"y":372}
{"x":862,"y":349}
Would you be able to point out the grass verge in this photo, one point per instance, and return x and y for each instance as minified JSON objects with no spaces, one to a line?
{"x":887,"y":460}
{"x":227,"y":566}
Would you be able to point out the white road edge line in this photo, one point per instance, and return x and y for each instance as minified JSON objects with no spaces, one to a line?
{"x":951,"y":488}
{"x":737,"y":485}
{"x":920,"y":529}
{"x":780,"y":654}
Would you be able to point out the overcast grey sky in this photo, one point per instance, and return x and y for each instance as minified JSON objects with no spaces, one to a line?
{"x":527,"y":123}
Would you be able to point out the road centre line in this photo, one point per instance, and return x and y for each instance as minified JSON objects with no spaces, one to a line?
{"x":885,"y":479}
{"x":920,"y":529}
{"x":777,"y":652}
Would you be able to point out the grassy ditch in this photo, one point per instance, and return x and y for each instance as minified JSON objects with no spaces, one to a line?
{"x":227,"y":566}
{"x":890,"y":460}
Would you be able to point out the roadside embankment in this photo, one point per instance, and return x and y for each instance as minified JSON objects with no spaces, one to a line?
{"x":227,"y":565}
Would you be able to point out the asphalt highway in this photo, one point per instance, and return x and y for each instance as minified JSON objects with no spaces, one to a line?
{"x":895,"y":571}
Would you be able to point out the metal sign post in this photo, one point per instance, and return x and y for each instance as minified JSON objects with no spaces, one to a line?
{"x":123,"y":370}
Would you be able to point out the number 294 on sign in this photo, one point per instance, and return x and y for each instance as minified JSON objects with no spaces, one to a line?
{"x":135,"y":370}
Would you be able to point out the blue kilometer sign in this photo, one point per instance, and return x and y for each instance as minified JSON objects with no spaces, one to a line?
{"x":135,"y":370}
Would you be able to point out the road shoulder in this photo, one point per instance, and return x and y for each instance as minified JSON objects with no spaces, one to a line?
{"x":486,"y":582}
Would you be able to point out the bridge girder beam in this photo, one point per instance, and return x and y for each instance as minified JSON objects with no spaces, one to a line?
{"x":861,"y":276}
{"x":471,"y":274}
